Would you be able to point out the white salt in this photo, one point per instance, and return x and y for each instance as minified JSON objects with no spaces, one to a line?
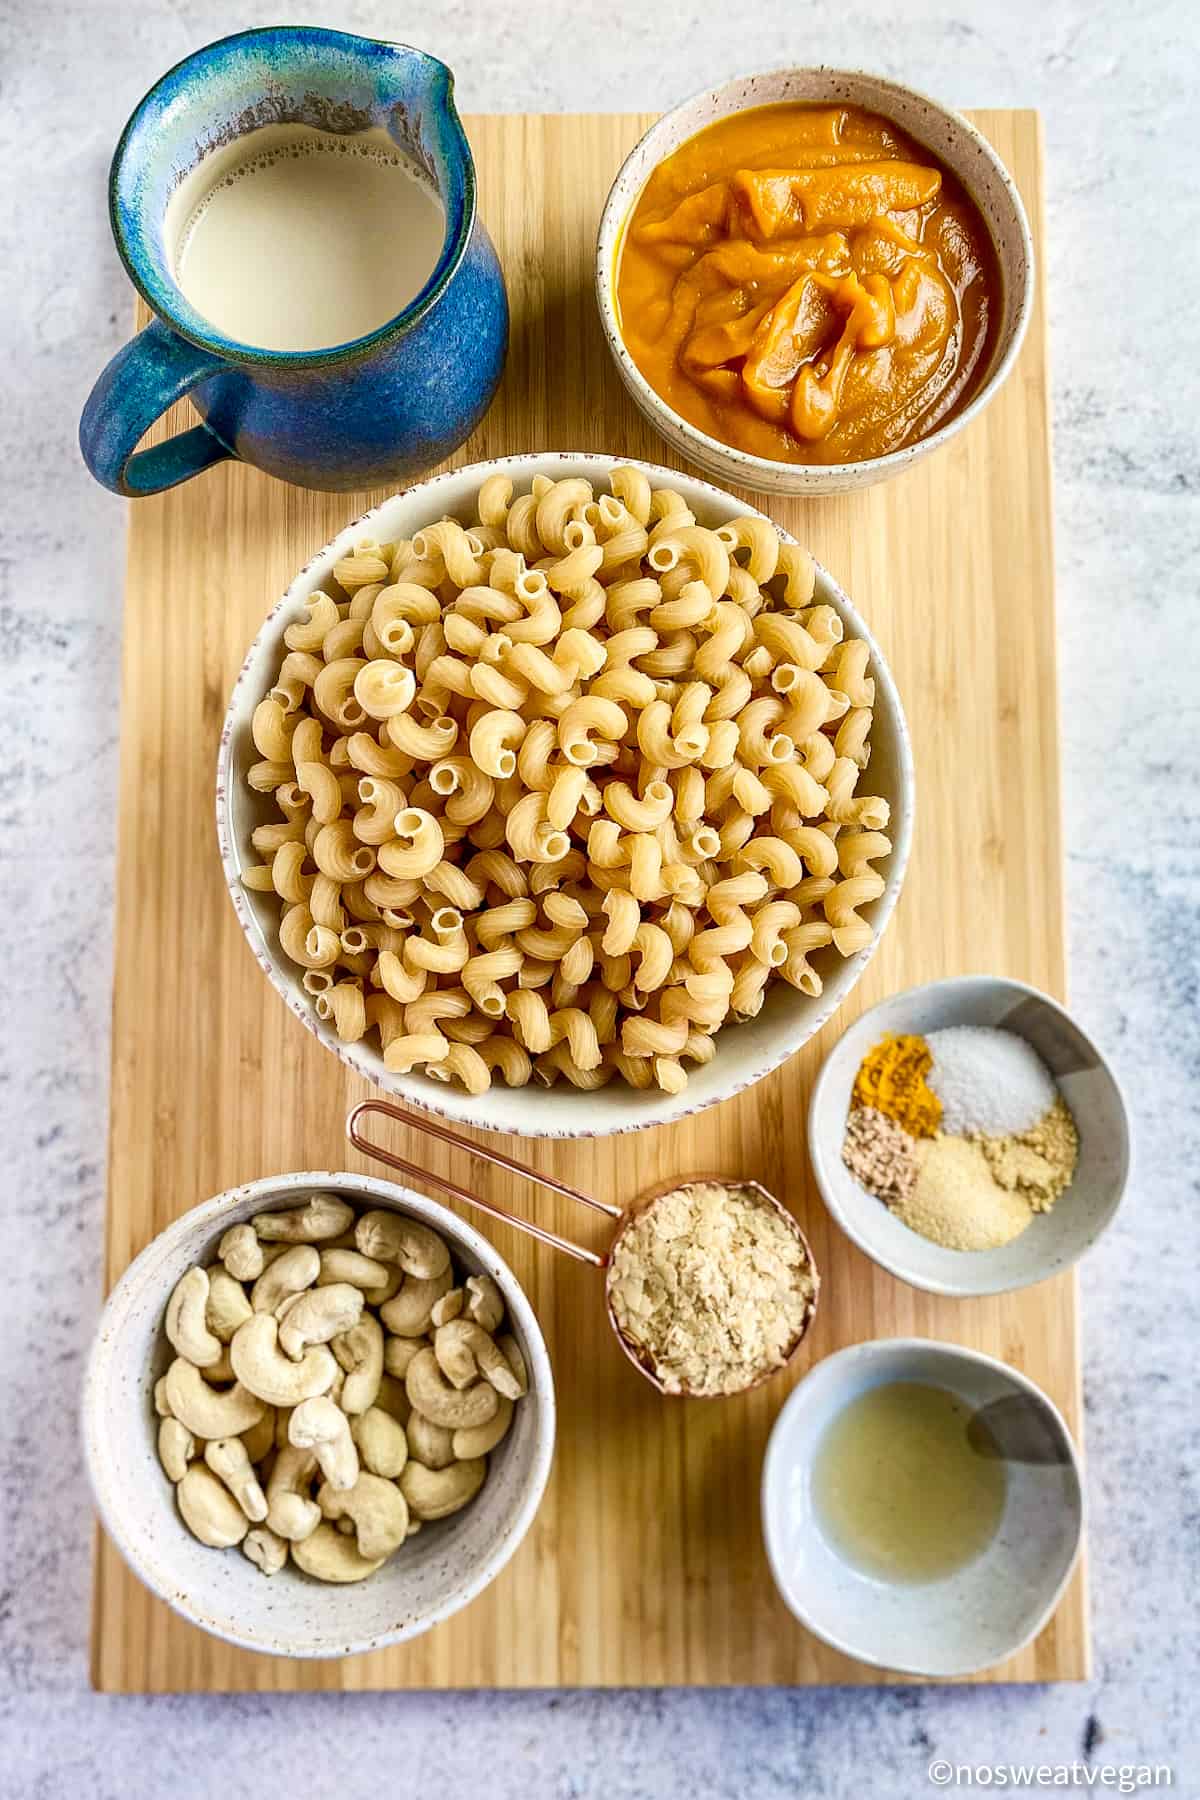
{"x":988,"y":1080}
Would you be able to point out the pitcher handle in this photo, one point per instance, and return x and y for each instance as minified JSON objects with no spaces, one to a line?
{"x":143,"y":379}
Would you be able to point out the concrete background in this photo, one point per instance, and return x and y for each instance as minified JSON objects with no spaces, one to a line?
{"x":1116,"y":86}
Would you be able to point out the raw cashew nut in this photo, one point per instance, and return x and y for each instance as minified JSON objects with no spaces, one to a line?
{"x":360,"y":1353}
{"x":209,"y":1412}
{"x":478,"y":1442}
{"x":352,"y":1266}
{"x":398,"y":1352}
{"x":265,"y":1548}
{"x":431,"y":1444}
{"x":162,"y":1405}
{"x":331,"y":1557}
{"x":227,"y":1459}
{"x":409,"y":1313}
{"x":378,"y":1509}
{"x":393,"y":1399}
{"x":381,"y":1442}
{"x":289,"y":1274}
{"x":325,"y":1216}
{"x":209,"y":1510}
{"x":261,"y":1366}
{"x":448,"y":1307}
{"x":291,"y":1513}
{"x":260,"y":1439}
{"x":318,"y":1315}
{"x":465,"y":1350}
{"x":222,"y":1369}
{"x":377,"y":1288}
{"x":176,"y":1448}
{"x":436,"y":1493}
{"x":485,"y":1302}
{"x":430,"y":1393}
{"x":392,"y":1237}
{"x":228,"y":1306}
{"x":241,"y":1253}
{"x":293,"y":1516}
{"x":184,"y":1322}
{"x":514,"y":1357}
{"x":320,"y":1426}
{"x":282,"y":1415}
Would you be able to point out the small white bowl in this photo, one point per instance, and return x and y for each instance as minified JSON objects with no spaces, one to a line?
{"x":951,"y":138}
{"x":1055,"y":1239}
{"x":987,"y":1610}
{"x":433,"y":1576}
{"x":745,"y":1053}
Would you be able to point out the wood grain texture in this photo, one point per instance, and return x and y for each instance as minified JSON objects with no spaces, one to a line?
{"x":645,"y":1565}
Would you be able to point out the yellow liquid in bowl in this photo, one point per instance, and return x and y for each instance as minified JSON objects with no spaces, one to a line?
{"x":901,"y":1491}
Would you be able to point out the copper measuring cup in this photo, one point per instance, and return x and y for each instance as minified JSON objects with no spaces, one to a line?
{"x":598,"y":1259}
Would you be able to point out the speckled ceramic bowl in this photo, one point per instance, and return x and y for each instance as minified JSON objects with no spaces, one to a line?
{"x":745,"y":1053}
{"x":950,"y":138}
{"x":985,"y":1611}
{"x":1055,"y":1239}
{"x":291,"y":1614}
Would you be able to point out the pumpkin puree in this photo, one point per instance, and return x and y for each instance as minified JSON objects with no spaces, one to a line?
{"x":808,"y":285}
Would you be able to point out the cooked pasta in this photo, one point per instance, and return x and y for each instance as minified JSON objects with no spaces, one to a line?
{"x":563,"y":791}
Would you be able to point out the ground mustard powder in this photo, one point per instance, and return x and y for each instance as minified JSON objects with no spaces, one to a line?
{"x":1036,"y":1164}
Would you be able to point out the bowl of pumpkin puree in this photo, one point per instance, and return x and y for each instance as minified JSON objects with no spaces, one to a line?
{"x":811,"y":277}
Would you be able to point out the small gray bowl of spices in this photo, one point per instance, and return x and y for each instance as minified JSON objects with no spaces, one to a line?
{"x":969,"y":1137}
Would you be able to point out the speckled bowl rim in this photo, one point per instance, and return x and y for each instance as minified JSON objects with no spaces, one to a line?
{"x":763,"y":473}
{"x":878,"y":1350}
{"x":97,"y":1400}
{"x":461,"y":1108}
{"x":930,"y":1285}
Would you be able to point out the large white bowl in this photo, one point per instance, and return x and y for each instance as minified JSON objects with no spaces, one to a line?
{"x":291,"y":1614}
{"x":1055,"y":1239}
{"x":745,"y":1053}
{"x":950,"y":137}
{"x":983,"y":1612}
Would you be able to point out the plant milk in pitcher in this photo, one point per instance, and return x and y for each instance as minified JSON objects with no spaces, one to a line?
{"x":295,"y":239}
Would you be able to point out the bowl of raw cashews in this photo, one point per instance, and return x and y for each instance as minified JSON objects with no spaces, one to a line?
{"x":271,"y":1544}
{"x":564,"y":796}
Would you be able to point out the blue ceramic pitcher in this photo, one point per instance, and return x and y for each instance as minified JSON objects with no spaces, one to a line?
{"x":382,"y":408}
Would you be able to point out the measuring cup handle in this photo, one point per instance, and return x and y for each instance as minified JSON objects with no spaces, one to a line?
{"x":416,"y":1122}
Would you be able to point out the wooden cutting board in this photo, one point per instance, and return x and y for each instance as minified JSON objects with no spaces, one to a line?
{"x":645,"y":1565}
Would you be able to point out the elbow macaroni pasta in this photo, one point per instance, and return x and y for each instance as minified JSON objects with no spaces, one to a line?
{"x":563,"y":791}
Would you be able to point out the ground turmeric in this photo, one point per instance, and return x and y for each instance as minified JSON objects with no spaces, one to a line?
{"x":891,"y":1078}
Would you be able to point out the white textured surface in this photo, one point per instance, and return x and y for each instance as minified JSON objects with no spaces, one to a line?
{"x":1117,"y":89}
